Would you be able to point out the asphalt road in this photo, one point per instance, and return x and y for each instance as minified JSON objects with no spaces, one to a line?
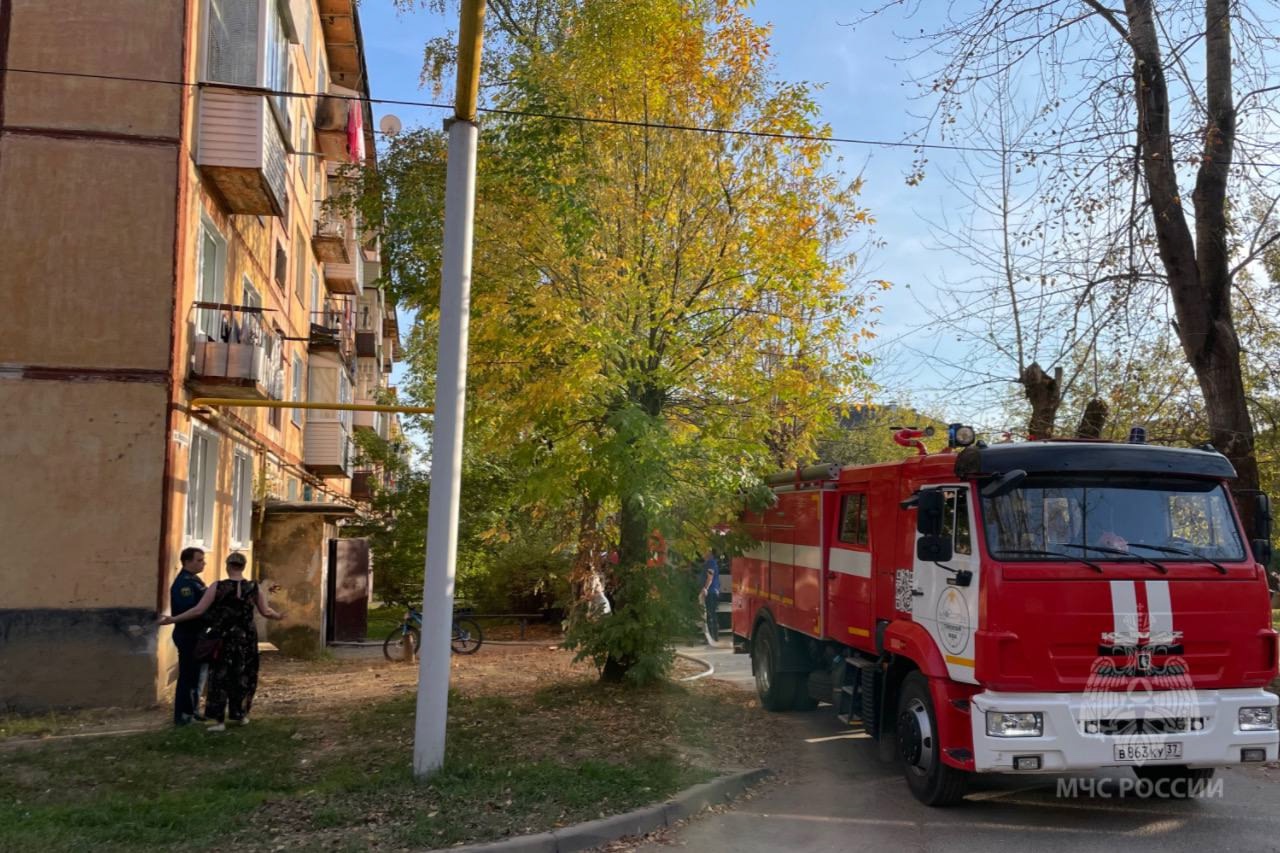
{"x":839,"y":796}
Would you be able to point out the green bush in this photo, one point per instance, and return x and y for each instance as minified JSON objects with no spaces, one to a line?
{"x":652,"y":606}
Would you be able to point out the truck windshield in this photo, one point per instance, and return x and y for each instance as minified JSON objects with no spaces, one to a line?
{"x":1181,"y":520}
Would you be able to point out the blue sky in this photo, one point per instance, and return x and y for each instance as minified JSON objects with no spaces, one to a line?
{"x":864,"y":95}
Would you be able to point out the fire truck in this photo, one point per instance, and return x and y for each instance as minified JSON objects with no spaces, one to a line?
{"x":1031,"y":607}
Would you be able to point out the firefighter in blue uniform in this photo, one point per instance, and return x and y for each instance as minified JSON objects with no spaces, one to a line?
{"x":184,"y":594}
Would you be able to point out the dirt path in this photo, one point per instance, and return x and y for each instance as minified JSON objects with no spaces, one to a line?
{"x":354,"y":676}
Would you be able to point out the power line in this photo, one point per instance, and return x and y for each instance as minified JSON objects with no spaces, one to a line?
{"x":618,"y":122}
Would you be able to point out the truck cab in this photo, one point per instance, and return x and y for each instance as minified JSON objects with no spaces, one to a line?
{"x":1038,"y":607}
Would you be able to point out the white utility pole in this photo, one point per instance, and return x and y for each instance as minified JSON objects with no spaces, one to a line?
{"x":450,"y":408}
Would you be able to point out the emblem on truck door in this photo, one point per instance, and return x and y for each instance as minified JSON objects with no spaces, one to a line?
{"x":953,"y":621}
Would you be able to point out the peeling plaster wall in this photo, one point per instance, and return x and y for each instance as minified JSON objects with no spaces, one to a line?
{"x":292,"y":552}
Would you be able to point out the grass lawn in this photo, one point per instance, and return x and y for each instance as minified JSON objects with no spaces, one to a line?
{"x":382,"y":621}
{"x":542,"y":756}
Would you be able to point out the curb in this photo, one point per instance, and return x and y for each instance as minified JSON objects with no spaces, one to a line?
{"x":596,"y":832}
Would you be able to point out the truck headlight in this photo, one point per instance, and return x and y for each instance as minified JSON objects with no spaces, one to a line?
{"x":1015,"y":723}
{"x":1258,"y":719}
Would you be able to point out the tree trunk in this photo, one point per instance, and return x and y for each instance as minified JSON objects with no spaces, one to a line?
{"x":634,"y":525}
{"x":1198,"y":270}
{"x":1045,"y":396}
{"x":1093,"y":420}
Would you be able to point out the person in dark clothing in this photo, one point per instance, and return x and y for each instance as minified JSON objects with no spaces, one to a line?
{"x":711,"y":596}
{"x":227,"y":608}
{"x":184,"y":594}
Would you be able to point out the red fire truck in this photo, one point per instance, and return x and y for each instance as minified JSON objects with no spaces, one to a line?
{"x":1029,"y":607}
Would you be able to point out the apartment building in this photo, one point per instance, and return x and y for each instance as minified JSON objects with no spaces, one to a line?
{"x":164,"y":172}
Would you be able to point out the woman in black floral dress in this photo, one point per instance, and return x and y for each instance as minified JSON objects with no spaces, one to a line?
{"x":228,"y":607}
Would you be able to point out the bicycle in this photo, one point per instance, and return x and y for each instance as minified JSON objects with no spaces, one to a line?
{"x":405,"y":639}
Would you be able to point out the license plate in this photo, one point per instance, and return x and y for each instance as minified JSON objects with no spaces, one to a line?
{"x":1148,"y":751}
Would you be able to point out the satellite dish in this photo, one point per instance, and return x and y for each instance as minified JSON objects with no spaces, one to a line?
{"x":390,"y":125}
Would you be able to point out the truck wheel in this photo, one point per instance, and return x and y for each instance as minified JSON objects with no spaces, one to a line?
{"x":1175,"y":781}
{"x":777,"y":690}
{"x":932,"y":782}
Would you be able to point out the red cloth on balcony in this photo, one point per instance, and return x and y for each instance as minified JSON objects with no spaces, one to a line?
{"x":355,"y":132}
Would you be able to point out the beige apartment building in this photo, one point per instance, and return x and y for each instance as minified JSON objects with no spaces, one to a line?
{"x":164,"y":167}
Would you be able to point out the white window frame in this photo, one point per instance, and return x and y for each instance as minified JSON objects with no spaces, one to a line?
{"x":275,"y":17}
{"x":241,"y":497}
{"x":344,"y":397}
{"x":252,"y":297}
{"x":209,"y":320}
{"x":202,"y":487}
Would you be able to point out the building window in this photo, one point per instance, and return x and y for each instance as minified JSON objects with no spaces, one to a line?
{"x":251,"y":299}
{"x":853,"y":520}
{"x":202,"y":478}
{"x":308,"y":37}
{"x":304,"y":143}
{"x":275,"y":367}
{"x":241,"y":497}
{"x":232,"y":47}
{"x":213,"y":275}
{"x":300,"y":265}
{"x":292,"y":492}
{"x":297,"y":389}
{"x":279,"y":74}
{"x":315,"y":289}
{"x":344,"y":397}
{"x":282,"y":267}
{"x":248,"y":44}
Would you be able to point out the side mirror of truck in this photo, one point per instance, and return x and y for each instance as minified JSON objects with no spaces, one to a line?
{"x":933,"y":549}
{"x":1261,"y":542}
{"x":1262,"y":516}
{"x":930,"y":505}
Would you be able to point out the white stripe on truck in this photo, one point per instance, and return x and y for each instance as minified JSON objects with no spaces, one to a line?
{"x":856,"y":563}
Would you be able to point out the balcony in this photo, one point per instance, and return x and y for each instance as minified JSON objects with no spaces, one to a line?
{"x":332,"y":239}
{"x":231,"y":355}
{"x":333,"y":116}
{"x":326,"y":447}
{"x":332,"y":330}
{"x":362,"y":482}
{"x":368,"y":331}
{"x":372,"y":258}
{"x":240,"y":149}
{"x":371,"y":421}
{"x":344,"y":278}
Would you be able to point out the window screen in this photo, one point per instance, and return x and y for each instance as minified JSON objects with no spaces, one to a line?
{"x":233,"y":42}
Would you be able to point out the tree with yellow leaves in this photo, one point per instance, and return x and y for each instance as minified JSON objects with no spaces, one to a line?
{"x":659,"y":314}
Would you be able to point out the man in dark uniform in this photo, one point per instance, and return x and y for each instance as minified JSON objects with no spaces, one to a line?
{"x":710,"y":596}
{"x":185,"y":593}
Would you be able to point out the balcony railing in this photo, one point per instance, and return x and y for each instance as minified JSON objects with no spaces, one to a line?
{"x":240,"y":149}
{"x":368,"y":330}
{"x":232,"y":354}
{"x":332,"y":241}
{"x":332,"y":329}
